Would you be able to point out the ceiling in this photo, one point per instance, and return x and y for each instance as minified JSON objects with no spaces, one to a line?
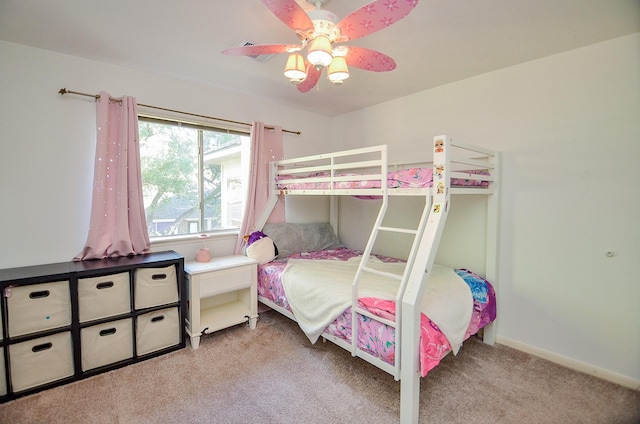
{"x":439,"y":42}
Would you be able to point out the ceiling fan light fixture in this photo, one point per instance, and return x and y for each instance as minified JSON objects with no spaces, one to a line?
{"x":319,"y":29}
{"x":295,"y":68}
{"x":320,"y":51}
{"x":338,"y":70}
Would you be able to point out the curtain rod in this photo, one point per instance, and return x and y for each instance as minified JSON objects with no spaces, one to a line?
{"x":97,"y":96}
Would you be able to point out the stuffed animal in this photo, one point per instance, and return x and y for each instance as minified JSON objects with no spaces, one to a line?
{"x":260,"y":247}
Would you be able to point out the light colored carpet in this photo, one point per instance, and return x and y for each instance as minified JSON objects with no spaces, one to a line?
{"x":274,"y":375}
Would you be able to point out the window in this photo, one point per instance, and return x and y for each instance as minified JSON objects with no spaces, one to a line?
{"x":194,"y":177}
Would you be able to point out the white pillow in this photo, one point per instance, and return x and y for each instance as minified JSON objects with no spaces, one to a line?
{"x":262,"y":250}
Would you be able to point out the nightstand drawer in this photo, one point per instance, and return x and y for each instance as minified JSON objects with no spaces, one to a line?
{"x":226,"y":280}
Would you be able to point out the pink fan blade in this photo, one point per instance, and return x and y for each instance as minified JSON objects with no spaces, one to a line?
{"x":259,"y":49}
{"x":289,"y":12}
{"x":374,"y":16}
{"x":369,"y":60}
{"x":313,"y":75}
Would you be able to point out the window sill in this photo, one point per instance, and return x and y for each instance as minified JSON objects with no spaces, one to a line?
{"x":190,"y":238}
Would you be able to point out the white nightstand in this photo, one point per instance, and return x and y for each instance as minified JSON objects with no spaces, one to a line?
{"x":221,"y":293}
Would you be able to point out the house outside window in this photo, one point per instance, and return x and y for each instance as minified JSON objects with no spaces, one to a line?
{"x":194,"y":177}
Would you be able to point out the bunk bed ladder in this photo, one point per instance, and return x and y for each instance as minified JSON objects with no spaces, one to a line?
{"x":363,"y":267}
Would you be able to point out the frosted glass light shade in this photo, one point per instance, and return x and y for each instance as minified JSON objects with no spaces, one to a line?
{"x":320,"y":51}
{"x":295,"y":69}
{"x":338,"y":70}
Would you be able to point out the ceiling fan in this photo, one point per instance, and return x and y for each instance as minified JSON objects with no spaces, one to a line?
{"x":323,"y":35}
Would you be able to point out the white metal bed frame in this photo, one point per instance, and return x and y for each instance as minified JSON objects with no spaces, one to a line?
{"x":371,"y":164}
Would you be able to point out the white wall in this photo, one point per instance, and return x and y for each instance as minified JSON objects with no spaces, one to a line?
{"x":47,"y":144}
{"x":568,"y":127}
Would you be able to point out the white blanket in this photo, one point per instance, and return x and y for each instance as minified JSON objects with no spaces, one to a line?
{"x":319,"y":291}
{"x":448,"y":302}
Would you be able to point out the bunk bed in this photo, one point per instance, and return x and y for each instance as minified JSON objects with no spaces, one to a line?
{"x":387,"y":328}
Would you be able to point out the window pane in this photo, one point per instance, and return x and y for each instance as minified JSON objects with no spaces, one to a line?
{"x":224,"y":179}
{"x":169,"y":162}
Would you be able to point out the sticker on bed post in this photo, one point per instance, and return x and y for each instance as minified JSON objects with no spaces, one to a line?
{"x":439,"y":171}
{"x":439,"y":145}
{"x":436,"y":208}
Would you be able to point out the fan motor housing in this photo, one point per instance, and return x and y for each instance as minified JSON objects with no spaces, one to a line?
{"x":324,"y":23}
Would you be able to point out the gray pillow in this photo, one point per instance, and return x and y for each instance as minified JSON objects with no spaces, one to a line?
{"x":296,"y":238}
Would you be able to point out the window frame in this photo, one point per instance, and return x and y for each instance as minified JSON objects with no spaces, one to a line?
{"x":200,"y":127}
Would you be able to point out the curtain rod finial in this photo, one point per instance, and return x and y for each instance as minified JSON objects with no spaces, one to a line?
{"x":63,"y":91}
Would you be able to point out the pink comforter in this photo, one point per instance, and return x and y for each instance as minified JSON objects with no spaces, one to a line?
{"x":406,"y":178}
{"x":374,"y":337}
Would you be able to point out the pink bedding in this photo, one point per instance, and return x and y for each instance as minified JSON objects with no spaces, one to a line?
{"x":374,"y":337}
{"x":406,"y":178}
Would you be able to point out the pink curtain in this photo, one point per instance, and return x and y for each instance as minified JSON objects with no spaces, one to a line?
{"x":118,"y":225}
{"x":266,"y":146}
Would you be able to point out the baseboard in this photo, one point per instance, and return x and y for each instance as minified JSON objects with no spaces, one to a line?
{"x":573,"y":364}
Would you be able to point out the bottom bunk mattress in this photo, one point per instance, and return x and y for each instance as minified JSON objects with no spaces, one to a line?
{"x":375,"y":337}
